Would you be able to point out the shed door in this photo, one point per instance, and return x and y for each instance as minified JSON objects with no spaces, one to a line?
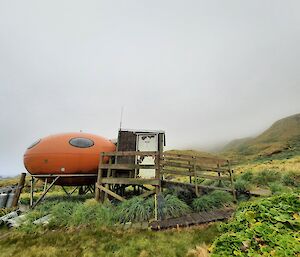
{"x":147,"y":142}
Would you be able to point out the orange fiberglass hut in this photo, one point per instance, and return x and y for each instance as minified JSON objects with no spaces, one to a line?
{"x":67,"y":154}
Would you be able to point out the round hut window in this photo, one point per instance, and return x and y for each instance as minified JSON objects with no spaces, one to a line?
{"x":34,"y":144}
{"x":81,"y":142}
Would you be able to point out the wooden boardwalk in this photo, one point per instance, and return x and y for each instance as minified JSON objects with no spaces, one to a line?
{"x":114,"y":177}
{"x":192,"y":219}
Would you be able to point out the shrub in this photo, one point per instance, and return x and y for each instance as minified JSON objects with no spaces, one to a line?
{"x":184,"y":194}
{"x":246,"y":176}
{"x":70,"y":214}
{"x":266,"y":176}
{"x":138,"y":209}
{"x":221,"y":197}
{"x":276,"y":187}
{"x":216,"y":199}
{"x":265,"y":227}
{"x":243,"y":181}
{"x":204,"y":203}
{"x":174,"y":207}
{"x":135,"y":209}
{"x":62,"y":213}
{"x":92,"y":213}
{"x":291,"y":179}
{"x":242,"y":185}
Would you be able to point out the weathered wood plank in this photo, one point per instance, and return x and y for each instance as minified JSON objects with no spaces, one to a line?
{"x":175,"y":183}
{"x":19,"y":189}
{"x":147,"y":193}
{"x":130,"y":153}
{"x":188,"y":166}
{"x":190,"y":173}
{"x":231,"y":180}
{"x":131,"y":181}
{"x":260,"y":192}
{"x":191,"y":219}
{"x":203,"y":158}
{"x":127,"y":166}
{"x":106,"y":190}
{"x":98,"y":192}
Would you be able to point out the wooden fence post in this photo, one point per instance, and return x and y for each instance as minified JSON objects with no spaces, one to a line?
{"x":108,"y":175}
{"x":219,"y":174}
{"x":195,"y":174}
{"x":19,"y":190}
{"x":231,"y":180}
{"x":97,"y":189}
{"x":31,"y":190}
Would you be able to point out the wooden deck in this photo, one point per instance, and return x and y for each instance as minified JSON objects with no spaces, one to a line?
{"x":167,"y":166}
{"x":192,"y":219}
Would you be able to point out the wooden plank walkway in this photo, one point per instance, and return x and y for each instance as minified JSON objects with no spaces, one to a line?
{"x":260,"y":192}
{"x":192,"y":219}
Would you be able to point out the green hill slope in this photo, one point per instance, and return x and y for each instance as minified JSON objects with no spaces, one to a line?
{"x":283,"y":137}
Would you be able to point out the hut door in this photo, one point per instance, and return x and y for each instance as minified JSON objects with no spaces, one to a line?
{"x":147,"y":142}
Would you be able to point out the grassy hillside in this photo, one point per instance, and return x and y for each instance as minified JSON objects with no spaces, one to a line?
{"x":282,"y":139}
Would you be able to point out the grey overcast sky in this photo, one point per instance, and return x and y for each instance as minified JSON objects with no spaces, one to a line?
{"x":204,"y":71}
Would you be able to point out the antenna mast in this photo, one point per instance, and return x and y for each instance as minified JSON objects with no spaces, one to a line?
{"x":121,"y":119}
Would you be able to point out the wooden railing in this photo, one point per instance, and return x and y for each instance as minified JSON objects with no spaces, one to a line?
{"x":197,"y":169}
{"x":167,"y":166}
{"x":112,"y":173}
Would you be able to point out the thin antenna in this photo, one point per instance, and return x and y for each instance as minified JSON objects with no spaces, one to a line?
{"x":121,"y":119}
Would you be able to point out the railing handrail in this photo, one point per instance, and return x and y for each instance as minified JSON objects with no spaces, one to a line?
{"x":191,"y":157}
{"x":130,"y":153}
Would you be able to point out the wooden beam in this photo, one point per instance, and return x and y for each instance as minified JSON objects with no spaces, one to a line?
{"x":198,"y":158}
{"x":196,"y":179}
{"x":131,"y":181}
{"x":127,"y":166}
{"x":232,"y":182}
{"x":129,"y":153}
{"x":189,"y":173}
{"x":188,"y":166}
{"x":106,"y":190}
{"x":99,"y":177}
{"x":147,"y":193}
{"x":108,"y":175}
{"x":19,"y":189}
{"x":175,"y":183}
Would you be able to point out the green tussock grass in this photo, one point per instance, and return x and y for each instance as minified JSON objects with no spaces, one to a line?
{"x":138,"y":209}
{"x":211,"y":201}
{"x":174,"y":207}
{"x":77,"y":212}
{"x":69,"y":214}
{"x":135,"y":209}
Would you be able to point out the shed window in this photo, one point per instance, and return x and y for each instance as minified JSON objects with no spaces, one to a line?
{"x":34,"y":144}
{"x":81,"y":142}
